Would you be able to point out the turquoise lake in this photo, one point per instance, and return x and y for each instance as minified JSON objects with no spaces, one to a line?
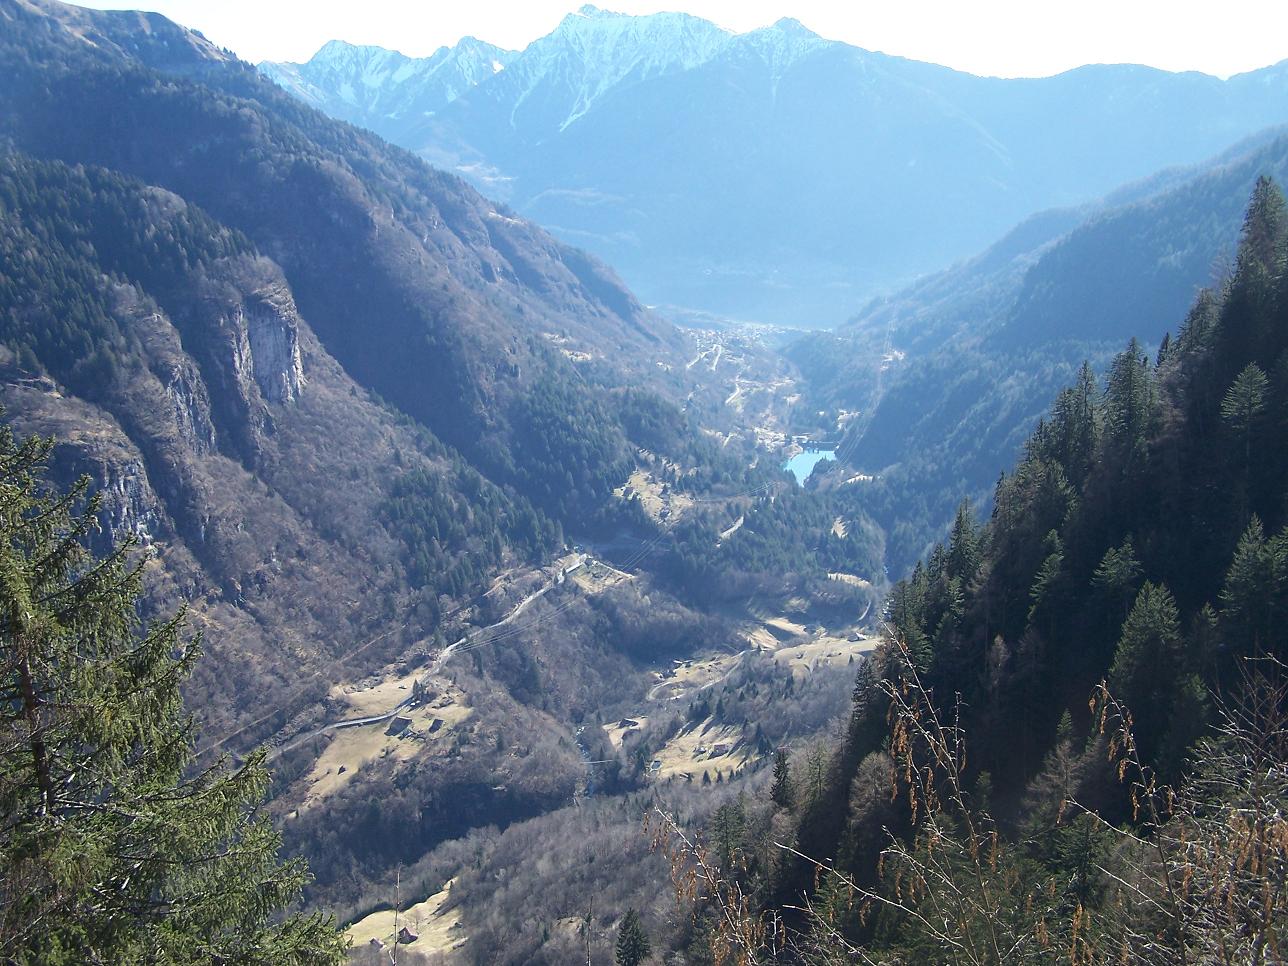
{"x":802,"y":464}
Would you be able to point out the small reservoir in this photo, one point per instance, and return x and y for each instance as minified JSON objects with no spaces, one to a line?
{"x":802,"y":464}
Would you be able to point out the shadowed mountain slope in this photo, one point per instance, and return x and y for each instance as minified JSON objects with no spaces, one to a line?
{"x":952,"y":374}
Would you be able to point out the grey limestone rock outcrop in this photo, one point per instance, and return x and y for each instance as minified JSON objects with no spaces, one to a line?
{"x":90,"y":442}
{"x":271,"y":341}
{"x":129,"y":504}
{"x":191,"y":407}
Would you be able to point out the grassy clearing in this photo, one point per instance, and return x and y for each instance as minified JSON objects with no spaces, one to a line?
{"x":659,"y":500}
{"x":595,"y":576}
{"x":353,"y":748}
{"x":785,"y":629}
{"x":850,"y":579}
{"x":761,"y":639}
{"x":379,"y":697}
{"x":617,"y":732}
{"x":708,"y":747}
{"x":825,"y":650}
{"x":685,"y":677}
{"x":438,"y":930}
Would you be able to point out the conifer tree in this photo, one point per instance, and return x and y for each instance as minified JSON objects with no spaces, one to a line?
{"x":867,"y":720}
{"x":1148,"y":660}
{"x":1197,"y":331}
{"x":1073,"y":430}
{"x":964,"y":544}
{"x":1254,"y":599}
{"x":1241,"y":411}
{"x":1115,"y":578}
{"x":115,"y":846}
{"x":781,"y":792}
{"x":728,"y":825}
{"x":1248,"y":326}
{"x":1044,"y":591}
{"x":633,"y":946}
{"x":1129,"y":406}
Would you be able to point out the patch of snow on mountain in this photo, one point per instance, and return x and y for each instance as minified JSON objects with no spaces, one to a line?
{"x":373,"y":81}
{"x":782,"y":44}
{"x":593,"y":51}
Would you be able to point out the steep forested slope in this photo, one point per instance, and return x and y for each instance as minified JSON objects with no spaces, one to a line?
{"x":1139,"y":541}
{"x":445,"y":305}
{"x":171,"y":362}
{"x":951,"y":375}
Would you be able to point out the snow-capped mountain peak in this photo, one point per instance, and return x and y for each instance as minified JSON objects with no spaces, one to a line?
{"x":593,"y":51}
{"x":552,"y":83}
{"x":782,"y":43}
{"x":360,"y":83}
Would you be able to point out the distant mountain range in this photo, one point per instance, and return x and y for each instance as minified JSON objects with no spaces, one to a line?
{"x":773,"y":175}
{"x":357,"y":84}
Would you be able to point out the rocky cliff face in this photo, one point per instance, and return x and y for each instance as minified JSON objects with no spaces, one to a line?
{"x":129,"y":503}
{"x":190,"y":406}
{"x":426,"y":292}
{"x":242,"y":330}
{"x":272,"y":342}
{"x":90,"y":444}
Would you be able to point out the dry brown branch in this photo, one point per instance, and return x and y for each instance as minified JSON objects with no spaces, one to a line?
{"x":744,"y":936}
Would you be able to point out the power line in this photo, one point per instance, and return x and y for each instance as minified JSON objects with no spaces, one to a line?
{"x":319,"y":672}
{"x":465,"y":644}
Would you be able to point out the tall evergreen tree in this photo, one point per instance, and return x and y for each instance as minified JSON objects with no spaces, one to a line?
{"x":1148,"y":660}
{"x":1114,"y":580}
{"x":1248,"y":327}
{"x":1073,"y":430}
{"x":633,"y":946}
{"x":1197,"y":331}
{"x":867,"y":718}
{"x":1241,"y":411}
{"x":964,"y":544}
{"x":117,"y":848}
{"x":781,"y":792}
{"x":1129,"y":407}
{"x":1254,"y":599}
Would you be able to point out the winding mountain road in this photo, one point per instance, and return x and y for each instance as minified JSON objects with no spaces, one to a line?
{"x":482,"y":637}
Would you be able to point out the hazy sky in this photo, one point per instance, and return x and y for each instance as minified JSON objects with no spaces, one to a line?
{"x":1004,"y":37}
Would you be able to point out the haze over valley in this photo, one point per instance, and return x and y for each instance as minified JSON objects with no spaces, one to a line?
{"x":773,"y":176}
{"x":589,"y":498}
